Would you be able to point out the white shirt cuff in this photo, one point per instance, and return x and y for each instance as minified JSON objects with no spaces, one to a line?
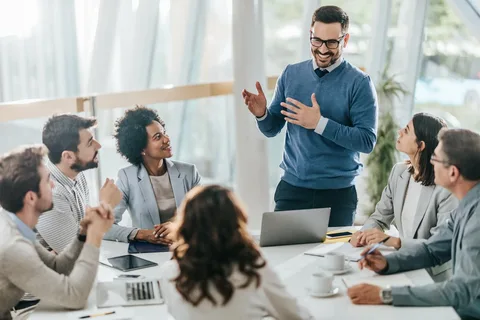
{"x":132,"y":234}
{"x":263,"y":117}
{"x":322,"y":123}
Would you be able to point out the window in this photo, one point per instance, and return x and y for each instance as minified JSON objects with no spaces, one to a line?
{"x":449,"y":81}
{"x":286,"y":31}
{"x":283,"y":33}
{"x":360,"y":15}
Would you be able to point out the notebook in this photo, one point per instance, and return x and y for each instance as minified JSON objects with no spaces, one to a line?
{"x":146,"y":247}
{"x":129,"y":293}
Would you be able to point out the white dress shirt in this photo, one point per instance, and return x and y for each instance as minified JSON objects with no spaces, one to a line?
{"x":410,"y":205}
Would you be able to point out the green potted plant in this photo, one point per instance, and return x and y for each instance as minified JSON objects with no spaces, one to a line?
{"x":380,"y":162}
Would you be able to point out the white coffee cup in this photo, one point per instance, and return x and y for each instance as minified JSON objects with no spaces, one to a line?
{"x":321,"y":283}
{"x":334,"y":261}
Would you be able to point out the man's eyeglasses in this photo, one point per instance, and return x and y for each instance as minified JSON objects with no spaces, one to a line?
{"x":434,"y":158}
{"x":331,"y":43}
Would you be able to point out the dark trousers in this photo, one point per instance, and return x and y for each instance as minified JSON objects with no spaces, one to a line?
{"x":343,"y":202}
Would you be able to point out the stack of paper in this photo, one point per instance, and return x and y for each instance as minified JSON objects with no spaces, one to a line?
{"x":351,"y":253}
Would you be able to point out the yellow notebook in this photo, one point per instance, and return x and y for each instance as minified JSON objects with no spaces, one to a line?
{"x":339,"y":239}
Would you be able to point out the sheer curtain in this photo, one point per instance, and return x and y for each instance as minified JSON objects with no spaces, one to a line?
{"x":38,"y":50}
{"x":60,"y":48}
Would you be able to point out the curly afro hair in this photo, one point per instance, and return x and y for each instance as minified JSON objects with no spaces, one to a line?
{"x":131,"y":132}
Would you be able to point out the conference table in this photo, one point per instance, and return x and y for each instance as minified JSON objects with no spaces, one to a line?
{"x":292,"y":265}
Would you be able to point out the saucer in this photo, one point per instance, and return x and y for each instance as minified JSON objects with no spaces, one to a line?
{"x":347,"y":268}
{"x":323,"y":295}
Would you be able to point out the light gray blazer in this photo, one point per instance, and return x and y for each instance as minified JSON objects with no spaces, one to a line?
{"x":139,"y":198}
{"x":433,"y":209}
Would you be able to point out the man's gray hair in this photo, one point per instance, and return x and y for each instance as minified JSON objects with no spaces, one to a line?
{"x":462,"y":149}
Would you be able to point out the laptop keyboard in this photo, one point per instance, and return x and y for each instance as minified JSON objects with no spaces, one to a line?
{"x":140,"y":291}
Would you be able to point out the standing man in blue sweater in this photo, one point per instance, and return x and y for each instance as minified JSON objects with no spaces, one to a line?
{"x":330,"y":108}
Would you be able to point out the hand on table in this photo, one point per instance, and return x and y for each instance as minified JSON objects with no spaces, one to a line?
{"x":149,"y":235}
{"x":365,"y":294}
{"x":374,"y":235}
{"x":164,"y":230}
{"x":358,"y":239}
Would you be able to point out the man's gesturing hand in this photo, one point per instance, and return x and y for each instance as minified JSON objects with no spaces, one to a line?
{"x":301,"y":114}
{"x":257,"y":103}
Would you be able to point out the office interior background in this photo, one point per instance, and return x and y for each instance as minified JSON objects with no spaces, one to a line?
{"x":190,"y":59}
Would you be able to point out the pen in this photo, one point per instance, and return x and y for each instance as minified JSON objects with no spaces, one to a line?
{"x":344,"y":283}
{"x":97,"y":315}
{"x":375,"y":246}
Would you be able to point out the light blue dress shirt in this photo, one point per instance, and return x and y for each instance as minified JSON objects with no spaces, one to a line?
{"x":23,"y":228}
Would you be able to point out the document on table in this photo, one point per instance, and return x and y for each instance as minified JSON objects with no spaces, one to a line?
{"x":366,"y":276}
{"x":351,"y":253}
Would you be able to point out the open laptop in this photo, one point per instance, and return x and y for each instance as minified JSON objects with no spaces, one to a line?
{"x":129,"y":293}
{"x":294,"y":227}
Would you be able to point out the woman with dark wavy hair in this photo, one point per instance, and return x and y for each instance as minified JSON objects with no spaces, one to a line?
{"x":217,"y":271}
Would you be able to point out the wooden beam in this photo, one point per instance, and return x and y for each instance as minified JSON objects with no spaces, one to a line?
{"x":26,"y":109}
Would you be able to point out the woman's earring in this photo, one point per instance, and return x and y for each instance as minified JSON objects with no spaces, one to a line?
{"x":143,"y":153}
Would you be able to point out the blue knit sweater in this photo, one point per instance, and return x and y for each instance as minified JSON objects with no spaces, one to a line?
{"x":327,"y":157}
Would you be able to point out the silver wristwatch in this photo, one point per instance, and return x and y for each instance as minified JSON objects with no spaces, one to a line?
{"x":386,"y":295}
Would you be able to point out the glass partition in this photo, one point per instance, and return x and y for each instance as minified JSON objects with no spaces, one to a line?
{"x":449,"y":80}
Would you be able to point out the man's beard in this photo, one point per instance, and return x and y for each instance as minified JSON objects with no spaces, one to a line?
{"x":78,"y":166}
{"x":334,"y":57}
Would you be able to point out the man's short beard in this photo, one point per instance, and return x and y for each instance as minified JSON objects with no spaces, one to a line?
{"x":78,"y":167}
{"x":333,"y":60}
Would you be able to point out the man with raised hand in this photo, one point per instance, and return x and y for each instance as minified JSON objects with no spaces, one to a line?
{"x":330,"y":108}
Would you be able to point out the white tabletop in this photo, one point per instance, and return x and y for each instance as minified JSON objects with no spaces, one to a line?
{"x":295,"y":269}
{"x":296,"y":274}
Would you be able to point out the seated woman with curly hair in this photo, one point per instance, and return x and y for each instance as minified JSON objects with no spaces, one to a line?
{"x":217,"y":271}
{"x":153,"y":186}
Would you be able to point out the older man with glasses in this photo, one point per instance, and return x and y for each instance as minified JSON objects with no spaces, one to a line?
{"x":330,"y":108}
{"x":455,"y":161}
